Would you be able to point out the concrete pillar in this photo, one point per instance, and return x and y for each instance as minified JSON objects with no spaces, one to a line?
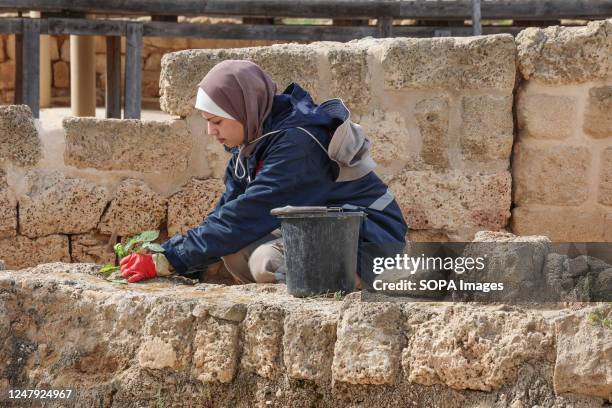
{"x":45,"y":67}
{"x":83,"y":75}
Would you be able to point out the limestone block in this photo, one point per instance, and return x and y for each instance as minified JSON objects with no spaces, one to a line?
{"x":10,"y":47}
{"x":350,"y":62}
{"x":100,"y":63}
{"x":2,"y":55}
{"x":543,"y":116}
{"x":487,"y":128}
{"x":484,"y":62}
{"x":432,"y":119}
{"x":368,"y":345}
{"x":7,"y":75}
{"x":551,"y":175}
{"x":150,"y":83}
{"x":8,"y":209}
{"x":65,"y":49}
{"x":182,"y":71}
{"x":582,"y":344}
{"x":156,"y":354}
{"x":92,"y":248}
{"x":263,"y":333}
{"x":19,"y":142}
{"x":515,"y":261}
{"x":127,"y":144}
{"x":61,"y":74}
{"x":54,"y":49}
{"x":560,"y":224}
{"x":166,"y":327}
{"x":598,"y":113}
{"x":453,"y":200}
{"x":308,"y":344}
{"x":604,"y":195}
{"x":390,"y":141}
{"x":153,"y":62}
{"x":189,"y":207}
{"x":22,"y":252}
{"x":476,"y":349}
{"x":134,"y":208}
{"x":215,"y":351}
{"x":54,"y":203}
{"x":548,"y":55}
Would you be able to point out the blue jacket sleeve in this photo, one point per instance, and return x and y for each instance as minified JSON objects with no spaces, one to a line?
{"x":285,"y":179}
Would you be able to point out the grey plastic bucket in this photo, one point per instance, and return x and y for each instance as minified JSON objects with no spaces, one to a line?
{"x":321,"y":245}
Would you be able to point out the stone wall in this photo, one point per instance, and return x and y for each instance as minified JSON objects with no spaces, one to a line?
{"x":165,"y":342}
{"x":440,"y":112}
{"x":562,"y":166}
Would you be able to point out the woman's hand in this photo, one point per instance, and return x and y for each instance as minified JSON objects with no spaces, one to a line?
{"x":144,"y":265}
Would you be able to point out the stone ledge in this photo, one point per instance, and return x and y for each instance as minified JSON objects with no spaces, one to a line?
{"x":232,"y":343}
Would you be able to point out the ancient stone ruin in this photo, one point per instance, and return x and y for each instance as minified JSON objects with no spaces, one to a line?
{"x":489,"y":133}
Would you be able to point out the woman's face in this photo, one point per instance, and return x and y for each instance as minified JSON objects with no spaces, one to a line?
{"x":227,"y":131}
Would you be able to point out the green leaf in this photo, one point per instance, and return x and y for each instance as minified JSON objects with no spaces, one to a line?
{"x":108,"y":269}
{"x":153,"y":247}
{"x":120,"y":250}
{"x":147,"y":236}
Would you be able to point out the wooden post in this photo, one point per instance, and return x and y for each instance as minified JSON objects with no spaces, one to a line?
{"x":30,"y":83}
{"x":384,"y":25}
{"x":113,"y":77}
{"x":45,"y":64}
{"x":18,"y":95}
{"x":133,"y":69}
{"x":476,"y":26}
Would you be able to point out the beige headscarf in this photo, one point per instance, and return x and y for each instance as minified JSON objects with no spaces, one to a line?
{"x":245,"y":92}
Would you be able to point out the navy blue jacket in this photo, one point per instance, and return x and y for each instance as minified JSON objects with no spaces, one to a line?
{"x":286,"y":168}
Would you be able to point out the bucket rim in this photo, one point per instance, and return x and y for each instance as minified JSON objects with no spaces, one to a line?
{"x":290,"y":211}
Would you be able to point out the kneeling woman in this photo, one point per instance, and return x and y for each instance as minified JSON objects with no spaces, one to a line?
{"x":286,"y":150}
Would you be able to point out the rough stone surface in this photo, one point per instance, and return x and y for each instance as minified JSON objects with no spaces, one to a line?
{"x":453,"y":200}
{"x":478,"y":350}
{"x":264,"y":333}
{"x":215,"y":353}
{"x":369,"y":344}
{"x":19,"y":142}
{"x":167,"y":341}
{"x":54,"y":203}
{"x":582,"y":343}
{"x":551,"y":175}
{"x":549,"y":55}
{"x":92,"y":248}
{"x":432,"y":119}
{"x":486,"y":132}
{"x":598,"y":113}
{"x":188,"y":207}
{"x":350,"y":62}
{"x":22,"y":252}
{"x":127,"y":144}
{"x":544,"y":116}
{"x":182,"y":71}
{"x":516,"y":262}
{"x":604,"y":194}
{"x":134,"y":208}
{"x":560,"y":224}
{"x":484,"y":62}
{"x":390,"y":141}
{"x":8,"y":209}
{"x":308,"y":344}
